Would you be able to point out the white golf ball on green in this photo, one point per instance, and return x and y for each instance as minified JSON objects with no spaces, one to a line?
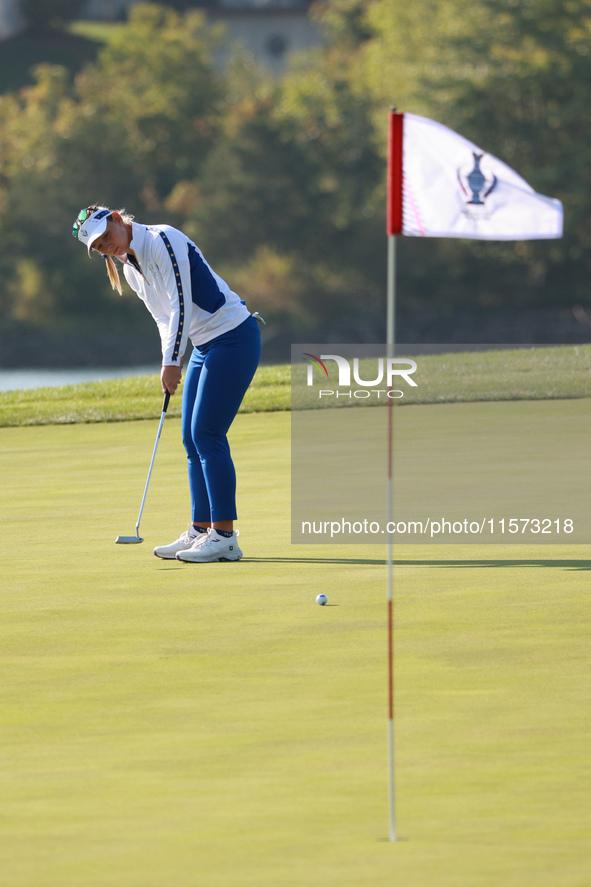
{"x":321,"y":599}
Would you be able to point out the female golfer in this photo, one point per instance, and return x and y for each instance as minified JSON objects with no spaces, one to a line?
{"x":188,"y":300}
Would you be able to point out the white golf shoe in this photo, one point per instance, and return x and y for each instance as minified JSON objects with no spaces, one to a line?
{"x":213,"y":548}
{"x":185,"y":541}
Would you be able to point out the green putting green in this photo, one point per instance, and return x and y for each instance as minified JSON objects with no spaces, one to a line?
{"x":165,"y":725}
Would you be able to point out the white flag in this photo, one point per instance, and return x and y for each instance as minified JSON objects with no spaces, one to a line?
{"x":452,"y":188}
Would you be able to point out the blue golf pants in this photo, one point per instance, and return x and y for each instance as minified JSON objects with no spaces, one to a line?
{"x":216,"y":380}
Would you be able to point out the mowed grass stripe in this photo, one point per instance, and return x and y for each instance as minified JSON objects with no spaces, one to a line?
{"x":210,"y":724}
{"x":127,"y":399}
{"x":520,"y":374}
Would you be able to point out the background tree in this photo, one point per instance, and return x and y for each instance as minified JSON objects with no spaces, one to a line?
{"x":126,"y":131}
{"x":515,"y":78}
{"x":282,"y":182}
{"x":291,"y":183}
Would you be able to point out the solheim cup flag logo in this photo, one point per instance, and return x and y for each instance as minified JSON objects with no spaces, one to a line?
{"x":477,"y":185}
{"x":443,"y":185}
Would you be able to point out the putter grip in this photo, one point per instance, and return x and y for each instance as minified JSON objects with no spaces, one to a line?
{"x":166,"y":401}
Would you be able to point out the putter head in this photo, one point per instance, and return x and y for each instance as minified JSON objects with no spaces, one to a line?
{"x":128,"y":540}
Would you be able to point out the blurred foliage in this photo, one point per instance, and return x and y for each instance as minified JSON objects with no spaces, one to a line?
{"x":292,"y":182}
{"x":124,"y":132}
{"x":21,"y":55}
{"x":515,"y":77}
{"x":282,"y":182}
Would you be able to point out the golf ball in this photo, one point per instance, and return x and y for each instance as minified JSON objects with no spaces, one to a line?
{"x":321,"y":599}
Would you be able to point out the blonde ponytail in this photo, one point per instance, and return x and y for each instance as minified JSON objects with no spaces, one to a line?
{"x":112,"y":269}
{"x":113,"y":273}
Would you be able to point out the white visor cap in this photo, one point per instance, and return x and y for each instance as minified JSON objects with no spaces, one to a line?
{"x":93,"y":227}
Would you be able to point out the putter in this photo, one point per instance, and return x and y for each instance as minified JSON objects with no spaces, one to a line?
{"x":133,"y":540}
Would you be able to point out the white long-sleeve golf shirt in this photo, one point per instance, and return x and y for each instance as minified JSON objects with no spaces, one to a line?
{"x":186,"y":298}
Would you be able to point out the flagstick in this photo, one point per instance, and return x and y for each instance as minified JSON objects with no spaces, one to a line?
{"x":390,"y":549}
{"x":390,"y":319}
{"x":394,"y":213}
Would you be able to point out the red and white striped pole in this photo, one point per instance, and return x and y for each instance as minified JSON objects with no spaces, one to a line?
{"x":393,"y":228}
{"x":393,"y":211}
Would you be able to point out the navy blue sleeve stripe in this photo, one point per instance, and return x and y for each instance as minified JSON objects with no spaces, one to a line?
{"x":179,"y":286}
{"x":205,"y":292}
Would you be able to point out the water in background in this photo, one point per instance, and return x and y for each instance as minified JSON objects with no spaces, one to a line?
{"x":17,"y":380}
